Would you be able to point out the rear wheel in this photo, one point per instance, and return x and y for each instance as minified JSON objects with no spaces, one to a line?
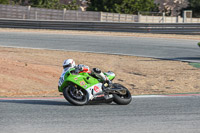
{"x":122,"y":99}
{"x":75,"y":95}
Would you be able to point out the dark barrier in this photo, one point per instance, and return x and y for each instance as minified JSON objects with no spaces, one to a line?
{"x":169,"y":28}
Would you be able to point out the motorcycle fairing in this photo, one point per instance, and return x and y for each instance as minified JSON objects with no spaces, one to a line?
{"x":94,"y":91}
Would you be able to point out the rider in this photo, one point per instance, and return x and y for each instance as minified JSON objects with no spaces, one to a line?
{"x":70,"y":63}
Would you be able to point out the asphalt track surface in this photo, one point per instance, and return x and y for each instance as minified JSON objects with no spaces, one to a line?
{"x":143,"y":115}
{"x":174,"y":49}
{"x":146,"y":114}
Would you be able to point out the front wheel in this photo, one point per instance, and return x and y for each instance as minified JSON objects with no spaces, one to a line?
{"x":122,"y":99}
{"x":75,"y":96}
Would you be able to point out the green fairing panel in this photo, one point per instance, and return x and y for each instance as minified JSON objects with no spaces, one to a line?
{"x":83,"y":80}
{"x":110,"y":75}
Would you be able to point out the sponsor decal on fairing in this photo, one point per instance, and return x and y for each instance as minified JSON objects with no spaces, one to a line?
{"x":94,"y":90}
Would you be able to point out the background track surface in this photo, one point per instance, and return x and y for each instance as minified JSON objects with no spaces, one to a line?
{"x":174,"y":49}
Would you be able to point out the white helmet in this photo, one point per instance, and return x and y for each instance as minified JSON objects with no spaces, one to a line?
{"x":69,"y":63}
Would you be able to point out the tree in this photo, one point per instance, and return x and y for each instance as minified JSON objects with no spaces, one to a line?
{"x":121,"y":6}
{"x":51,"y":4}
{"x":4,"y":1}
{"x":19,"y":2}
{"x":102,"y":5}
{"x":195,"y":7}
{"x":134,"y":6}
{"x":172,"y":7}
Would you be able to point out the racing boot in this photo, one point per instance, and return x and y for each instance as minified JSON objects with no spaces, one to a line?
{"x":106,"y":82}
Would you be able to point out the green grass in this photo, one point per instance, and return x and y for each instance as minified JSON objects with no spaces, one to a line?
{"x":197,"y":65}
{"x":198,"y":44}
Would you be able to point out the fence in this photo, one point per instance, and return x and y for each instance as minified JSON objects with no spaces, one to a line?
{"x":31,"y":13}
{"x":116,"y":17}
{"x":27,"y":12}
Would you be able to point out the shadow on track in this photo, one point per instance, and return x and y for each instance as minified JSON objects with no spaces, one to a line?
{"x":38,"y":102}
{"x":49,"y":102}
{"x":183,"y":59}
{"x":194,"y":59}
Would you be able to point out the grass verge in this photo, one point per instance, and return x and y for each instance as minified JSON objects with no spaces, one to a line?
{"x":196,"y":65}
{"x":198,"y":44}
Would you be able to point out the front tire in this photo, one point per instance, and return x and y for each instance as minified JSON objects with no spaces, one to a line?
{"x":75,"y":95}
{"x":122,"y":99}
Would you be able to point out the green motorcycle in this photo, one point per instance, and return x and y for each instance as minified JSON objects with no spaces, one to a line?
{"x":81,"y":88}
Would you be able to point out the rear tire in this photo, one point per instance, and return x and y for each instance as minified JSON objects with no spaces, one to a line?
{"x":122,"y":99}
{"x":71,"y":95}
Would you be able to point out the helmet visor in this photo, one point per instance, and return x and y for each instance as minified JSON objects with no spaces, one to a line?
{"x":69,"y":65}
